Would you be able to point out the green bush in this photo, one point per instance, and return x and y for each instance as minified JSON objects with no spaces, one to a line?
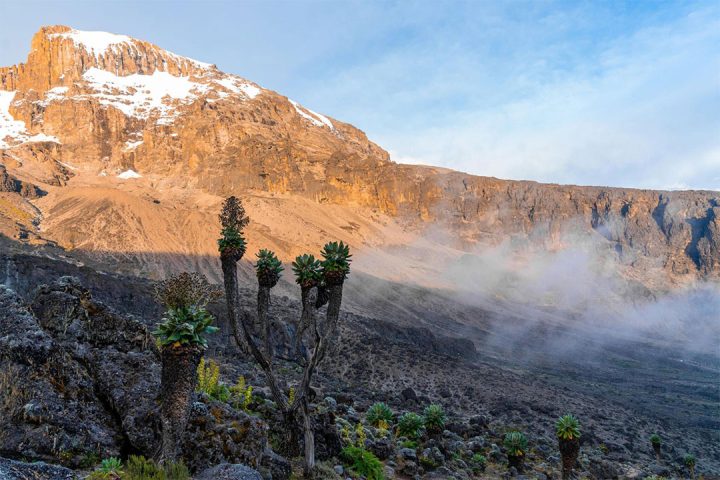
{"x":209,"y":381}
{"x":478,"y":461}
{"x":379,"y":412}
{"x":410,"y":425}
{"x":434,"y":418}
{"x":411,"y":444}
{"x":140,"y":468}
{"x":567,"y":427}
{"x":109,"y":469}
{"x":515,"y":443}
{"x":655,"y":440}
{"x":363,"y":463}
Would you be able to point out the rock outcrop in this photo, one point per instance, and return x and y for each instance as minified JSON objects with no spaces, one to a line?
{"x":80,"y":381}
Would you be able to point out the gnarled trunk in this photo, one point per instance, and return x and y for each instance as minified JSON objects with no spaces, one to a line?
{"x":177,"y":384}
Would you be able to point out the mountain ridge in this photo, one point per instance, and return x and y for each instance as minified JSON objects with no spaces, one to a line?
{"x":173,"y":136}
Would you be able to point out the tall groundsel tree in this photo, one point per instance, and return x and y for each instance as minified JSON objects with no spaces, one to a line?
{"x":567,"y":430}
{"x":321,"y":283}
{"x":181,"y":337}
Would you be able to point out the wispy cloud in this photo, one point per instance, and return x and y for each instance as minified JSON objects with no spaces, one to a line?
{"x":556,"y":97}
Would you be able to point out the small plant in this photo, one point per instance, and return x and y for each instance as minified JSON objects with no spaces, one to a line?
{"x":268,"y":268}
{"x":479,"y":462}
{"x":109,"y":469}
{"x":377,"y":413}
{"x":362,"y":462}
{"x":434,"y":418}
{"x":411,"y":444}
{"x":308,"y":270}
{"x":209,"y":381}
{"x":336,"y":262}
{"x":656,"y":443}
{"x":140,"y":468}
{"x":567,"y":430}
{"x":241,"y":394}
{"x":345,"y":434}
{"x":516,"y":445}
{"x":111,"y":465}
{"x":410,"y":425}
{"x":427,"y":462}
{"x":383,"y":428}
{"x":89,"y":460}
{"x":689,"y":461}
{"x":360,"y":435}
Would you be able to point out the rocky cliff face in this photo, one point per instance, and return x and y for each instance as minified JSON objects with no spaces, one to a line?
{"x":95,"y":109}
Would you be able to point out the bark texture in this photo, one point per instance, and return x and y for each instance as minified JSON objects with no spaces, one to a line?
{"x":177,"y":384}
{"x":569,"y":450}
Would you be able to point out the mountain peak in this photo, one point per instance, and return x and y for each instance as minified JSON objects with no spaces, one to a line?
{"x":61,"y":55}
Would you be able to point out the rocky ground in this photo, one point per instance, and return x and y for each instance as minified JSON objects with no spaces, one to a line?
{"x":70,"y":360}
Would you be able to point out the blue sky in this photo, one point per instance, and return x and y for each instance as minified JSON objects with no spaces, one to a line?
{"x":604,"y":93}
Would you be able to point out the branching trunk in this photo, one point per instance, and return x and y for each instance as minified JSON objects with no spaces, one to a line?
{"x":177,"y":384}
{"x":322,"y":336}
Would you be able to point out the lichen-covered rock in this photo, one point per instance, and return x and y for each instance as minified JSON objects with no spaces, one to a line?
{"x":80,"y":380}
{"x":228,"y":471}
{"x":12,"y":470}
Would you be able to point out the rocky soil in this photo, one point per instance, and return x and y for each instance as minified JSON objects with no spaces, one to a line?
{"x":84,"y":363}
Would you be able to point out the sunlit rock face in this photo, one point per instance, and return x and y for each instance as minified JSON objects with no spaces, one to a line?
{"x":132,"y":139}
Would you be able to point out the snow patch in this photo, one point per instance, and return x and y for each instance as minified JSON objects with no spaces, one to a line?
{"x":127,"y":174}
{"x":130,"y":145}
{"x":13,"y":132}
{"x":95,"y":42}
{"x":239,"y":86}
{"x":142,"y":95}
{"x":314,"y":117}
{"x":98,"y":43}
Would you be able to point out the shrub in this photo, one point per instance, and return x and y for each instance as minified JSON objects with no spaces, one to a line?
{"x":434,"y":418}
{"x":140,"y":468}
{"x":655,"y":440}
{"x":360,"y":435}
{"x":209,"y":381}
{"x":241,"y":394}
{"x":478,"y":461}
{"x":111,"y":465}
{"x":567,"y":428}
{"x":689,"y":460}
{"x":410,"y":425}
{"x":362,"y":462}
{"x":411,"y":444}
{"x":515,"y":443}
{"x":379,"y":412}
{"x":109,"y":469}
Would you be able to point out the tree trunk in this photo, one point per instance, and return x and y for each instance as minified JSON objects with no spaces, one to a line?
{"x":309,"y":441}
{"x":229,"y":268}
{"x":177,"y":384}
{"x":569,"y":450}
{"x":516,"y":461}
